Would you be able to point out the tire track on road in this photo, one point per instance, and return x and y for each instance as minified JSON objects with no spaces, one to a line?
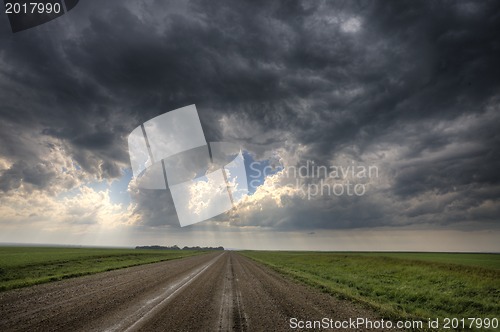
{"x":232,"y":315}
{"x":226,"y":308}
{"x":151,"y":307}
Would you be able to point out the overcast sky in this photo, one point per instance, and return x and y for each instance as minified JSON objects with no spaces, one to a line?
{"x":409,"y":87}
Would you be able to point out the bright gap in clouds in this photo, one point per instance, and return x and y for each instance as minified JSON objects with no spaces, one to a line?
{"x":117,"y":188}
{"x":259,"y":170}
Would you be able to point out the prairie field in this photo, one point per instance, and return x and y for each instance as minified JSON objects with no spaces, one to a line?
{"x":26,"y":266}
{"x":399,"y":285}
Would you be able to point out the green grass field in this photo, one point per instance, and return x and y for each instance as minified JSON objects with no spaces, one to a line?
{"x":400,"y":285}
{"x":26,"y":266}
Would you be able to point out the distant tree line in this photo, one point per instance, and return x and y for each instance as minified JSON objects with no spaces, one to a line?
{"x":175,"y":247}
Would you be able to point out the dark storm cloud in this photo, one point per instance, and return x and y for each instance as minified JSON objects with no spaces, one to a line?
{"x":336,"y":76}
{"x":156,"y":207}
{"x":36,"y":175}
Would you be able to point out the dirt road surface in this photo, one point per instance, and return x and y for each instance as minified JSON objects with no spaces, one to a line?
{"x":221,"y":291}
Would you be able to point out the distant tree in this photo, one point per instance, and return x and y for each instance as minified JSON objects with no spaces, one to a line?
{"x":176,"y":247}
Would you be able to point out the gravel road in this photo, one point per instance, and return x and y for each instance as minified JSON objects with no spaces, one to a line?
{"x":221,"y":291}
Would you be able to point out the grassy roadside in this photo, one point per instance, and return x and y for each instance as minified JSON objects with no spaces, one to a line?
{"x":399,"y":285}
{"x":26,"y":266}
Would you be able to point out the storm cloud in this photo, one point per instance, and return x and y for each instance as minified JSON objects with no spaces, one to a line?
{"x":411,"y":87}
